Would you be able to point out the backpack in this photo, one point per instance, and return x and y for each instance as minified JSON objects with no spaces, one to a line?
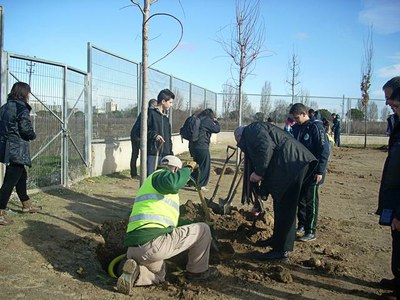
{"x":190,"y":129}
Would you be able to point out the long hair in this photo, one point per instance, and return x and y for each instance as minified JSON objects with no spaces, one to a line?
{"x":19,"y":91}
{"x":208,"y":112}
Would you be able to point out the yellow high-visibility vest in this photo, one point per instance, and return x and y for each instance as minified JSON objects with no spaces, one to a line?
{"x":152,"y":209}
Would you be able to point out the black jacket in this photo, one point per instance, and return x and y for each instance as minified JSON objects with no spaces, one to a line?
{"x":207,"y":127}
{"x":157,"y":124}
{"x":312,"y":134}
{"x":275,"y":155}
{"x":389,"y":192}
{"x":15,"y":133}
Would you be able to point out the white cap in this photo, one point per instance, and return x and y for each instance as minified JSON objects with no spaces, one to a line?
{"x":170,"y":160}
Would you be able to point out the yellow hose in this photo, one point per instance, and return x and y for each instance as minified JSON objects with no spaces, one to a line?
{"x":112,"y":264}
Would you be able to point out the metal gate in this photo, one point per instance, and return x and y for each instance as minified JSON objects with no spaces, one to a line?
{"x":60,"y":114}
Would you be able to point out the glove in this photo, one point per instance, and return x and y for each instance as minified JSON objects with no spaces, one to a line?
{"x":190,"y":164}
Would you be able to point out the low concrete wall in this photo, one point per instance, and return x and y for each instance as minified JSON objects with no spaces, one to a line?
{"x":115,"y":156}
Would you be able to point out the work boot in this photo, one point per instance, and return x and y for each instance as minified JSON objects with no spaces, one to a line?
{"x":211,"y":273}
{"x":389,"y":284}
{"x":27,"y":207}
{"x":273,"y":256}
{"x":4,"y":220}
{"x":390,"y":296}
{"x":127,"y":279}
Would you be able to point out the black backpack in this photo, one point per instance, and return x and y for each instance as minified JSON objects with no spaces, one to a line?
{"x":190,"y":129}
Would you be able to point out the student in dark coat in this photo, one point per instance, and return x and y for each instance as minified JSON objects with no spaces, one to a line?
{"x":200,"y":149}
{"x":278,"y":164}
{"x":15,"y":133}
{"x":389,"y":196}
{"x":159,"y":141}
{"x":135,"y":140}
{"x":311,"y":133}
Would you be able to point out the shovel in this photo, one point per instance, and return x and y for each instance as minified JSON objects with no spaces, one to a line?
{"x":225,"y":203}
{"x":214,"y":243}
{"x":228,"y":157}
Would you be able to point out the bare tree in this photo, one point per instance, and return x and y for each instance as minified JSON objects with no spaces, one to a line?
{"x":366,"y":77}
{"x":245,"y":43}
{"x":145,"y":10}
{"x":372,"y":112}
{"x":265,"y":105}
{"x":385,"y":113}
{"x":229,"y":98}
{"x":294,"y":73}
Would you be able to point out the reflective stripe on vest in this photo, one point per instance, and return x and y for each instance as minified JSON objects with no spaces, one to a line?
{"x":148,"y":217}
{"x":152,"y":209}
{"x":158,"y":197}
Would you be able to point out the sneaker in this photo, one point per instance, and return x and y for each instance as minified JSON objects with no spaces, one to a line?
{"x":307,"y":238}
{"x":211,"y":273}
{"x":273,"y":256}
{"x":127,"y":279}
{"x":300,"y":231}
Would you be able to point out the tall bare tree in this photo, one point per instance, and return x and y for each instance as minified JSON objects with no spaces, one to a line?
{"x":293,"y":76}
{"x":366,"y":77}
{"x":265,"y":105}
{"x":245,"y":43}
{"x":145,"y":10}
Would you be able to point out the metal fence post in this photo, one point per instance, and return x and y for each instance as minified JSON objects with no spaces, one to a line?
{"x":64,"y":142}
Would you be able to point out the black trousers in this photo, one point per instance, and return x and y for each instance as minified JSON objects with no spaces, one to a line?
{"x":134,"y":157}
{"x":307,"y":212}
{"x":203,"y":159}
{"x":16,"y":176}
{"x":285,"y":215}
{"x":336,"y":137}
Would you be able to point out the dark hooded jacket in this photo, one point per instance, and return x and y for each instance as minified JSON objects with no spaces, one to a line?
{"x":312,"y":134}
{"x":15,"y":133}
{"x":207,"y":127}
{"x":275,"y":155}
{"x":158,"y":124}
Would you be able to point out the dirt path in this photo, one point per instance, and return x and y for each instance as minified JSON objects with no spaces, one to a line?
{"x":53,"y":255}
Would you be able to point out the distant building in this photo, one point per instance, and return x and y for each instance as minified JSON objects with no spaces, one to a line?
{"x":111,"y":106}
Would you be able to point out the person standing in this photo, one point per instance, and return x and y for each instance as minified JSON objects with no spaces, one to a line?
{"x":389,"y":192}
{"x":336,"y":128}
{"x":313,"y":136}
{"x":277,"y":164}
{"x":200,"y":149}
{"x":15,"y":133}
{"x":153,"y":234}
{"x":159,"y":141}
{"x":135,"y":140}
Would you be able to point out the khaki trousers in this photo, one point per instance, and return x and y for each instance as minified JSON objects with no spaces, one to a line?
{"x":150,"y":257}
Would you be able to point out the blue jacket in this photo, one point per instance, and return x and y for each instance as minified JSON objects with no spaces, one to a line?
{"x":313,"y":136}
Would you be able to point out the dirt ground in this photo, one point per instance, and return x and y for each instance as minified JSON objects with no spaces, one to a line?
{"x":62,"y":252}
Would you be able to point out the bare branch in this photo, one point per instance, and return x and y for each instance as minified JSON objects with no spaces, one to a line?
{"x":245,"y":43}
{"x":180,"y":38}
{"x":138,"y":5}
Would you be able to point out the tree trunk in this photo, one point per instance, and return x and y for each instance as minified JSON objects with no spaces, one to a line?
{"x":144,"y":76}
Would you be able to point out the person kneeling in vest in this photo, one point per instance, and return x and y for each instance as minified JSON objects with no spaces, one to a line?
{"x":153,"y":234}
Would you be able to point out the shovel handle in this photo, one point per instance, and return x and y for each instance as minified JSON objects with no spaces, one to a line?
{"x":228,"y":157}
